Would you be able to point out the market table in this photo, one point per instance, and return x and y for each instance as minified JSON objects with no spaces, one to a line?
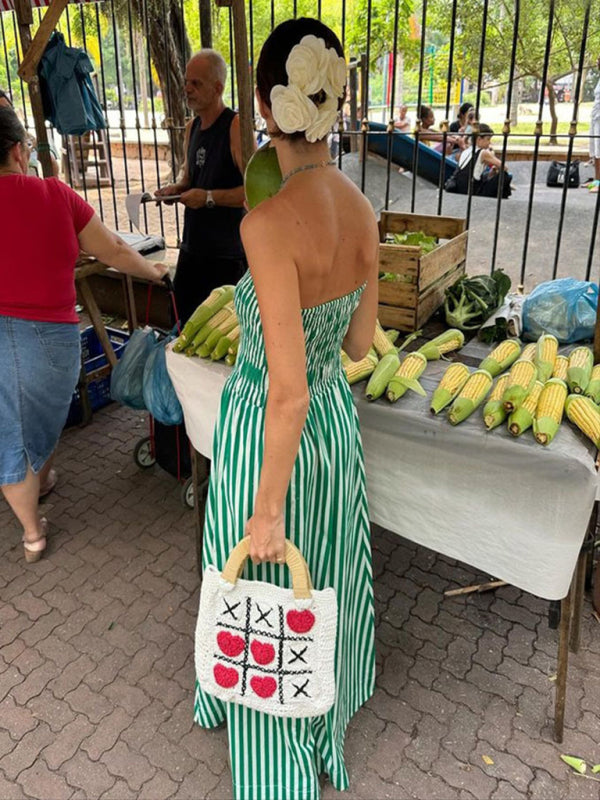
{"x":506,"y":506}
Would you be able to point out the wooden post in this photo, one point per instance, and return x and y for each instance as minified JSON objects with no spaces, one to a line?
{"x":563,"y":663}
{"x":242,"y":70}
{"x":205,"y":23}
{"x":25,"y":19}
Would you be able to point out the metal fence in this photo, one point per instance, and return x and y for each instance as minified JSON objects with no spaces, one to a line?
{"x":529,"y":68}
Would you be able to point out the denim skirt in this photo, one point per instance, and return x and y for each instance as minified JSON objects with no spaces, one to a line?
{"x":39,"y":368}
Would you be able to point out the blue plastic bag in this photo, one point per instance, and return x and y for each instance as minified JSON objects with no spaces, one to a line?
{"x":127,"y":378}
{"x":565,"y":308}
{"x":159,"y":395}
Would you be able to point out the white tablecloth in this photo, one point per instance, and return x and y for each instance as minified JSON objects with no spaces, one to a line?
{"x":506,"y":506}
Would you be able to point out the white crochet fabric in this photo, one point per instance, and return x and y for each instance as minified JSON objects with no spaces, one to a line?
{"x":258,"y":646}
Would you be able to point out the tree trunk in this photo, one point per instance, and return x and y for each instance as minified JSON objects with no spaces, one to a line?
{"x":205,"y":23}
{"x":170,"y":51}
{"x":552,"y":105}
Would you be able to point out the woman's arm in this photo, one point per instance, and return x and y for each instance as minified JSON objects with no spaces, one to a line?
{"x":361,"y":330}
{"x":111,"y":250}
{"x":278,"y":292}
{"x":490,"y":159}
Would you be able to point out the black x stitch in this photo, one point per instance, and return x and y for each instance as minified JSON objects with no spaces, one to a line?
{"x":301,"y":689}
{"x":230,"y":609}
{"x":263,"y":615}
{"x":298,"y":655}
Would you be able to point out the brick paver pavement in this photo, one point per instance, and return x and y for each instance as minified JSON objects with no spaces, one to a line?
{"x":96,"y":659}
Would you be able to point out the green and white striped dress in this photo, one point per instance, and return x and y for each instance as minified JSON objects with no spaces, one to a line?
{"x":274,"y":758}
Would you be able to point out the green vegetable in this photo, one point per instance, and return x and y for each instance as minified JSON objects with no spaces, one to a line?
{"x":578,"y":764}
{"x":470,"y":301}
{"x":417,"y":239}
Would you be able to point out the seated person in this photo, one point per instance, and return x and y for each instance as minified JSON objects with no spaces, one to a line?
{"x":460,"y":123}
{"x":402,"y":122}
{"x":428,"y":134}
{"x":486,"y":169}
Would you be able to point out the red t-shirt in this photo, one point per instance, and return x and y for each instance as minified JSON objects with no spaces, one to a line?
{"x":40,"y":220}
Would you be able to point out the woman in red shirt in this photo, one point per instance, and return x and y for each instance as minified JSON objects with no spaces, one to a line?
{"x":44,"y":225}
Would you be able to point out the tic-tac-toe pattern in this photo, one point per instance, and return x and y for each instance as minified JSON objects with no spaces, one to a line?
{"x":264,"y":650}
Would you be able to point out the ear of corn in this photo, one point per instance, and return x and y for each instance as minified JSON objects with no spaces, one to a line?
{"x":494,"y":412}
{"x":549,"y":411}
{"x":501,"y":357}
{"x":471,"y":395}
{"x":345,"y":358}
{"x":230,"y":359}
{"x":545,"y":356}
{"x":452,"y":339}
{"x":453,"y":379}
{"x":234,"y":337}
{"x":593,"y":388}
{"x":220,"y":331}
{"x":407,"y":377}
{"x":381,"y":343}
{"x":529,"y":351}
{"x":382,"y":375}
{"x":521,"y":380}
{"x":581,"y":362}
{"x":356,"y":371}
{"x":585,"y":414}
{"x":521,"y":418}
{"x":207,"y":309}
{"x":392,"y":335}
{"x":224,"y":344}
{"x":561,"y":365}
{"x":212,"y":324}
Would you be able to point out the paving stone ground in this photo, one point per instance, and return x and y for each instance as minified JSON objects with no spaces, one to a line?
{"x":96,"y":659}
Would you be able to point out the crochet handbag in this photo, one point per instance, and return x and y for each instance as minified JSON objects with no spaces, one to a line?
{"x":263,"y":646}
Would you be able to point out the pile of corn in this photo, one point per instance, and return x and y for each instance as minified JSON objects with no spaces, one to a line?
{"x":388,"y":372}
{"x":213,"y":330}
{"x":534,"y":387}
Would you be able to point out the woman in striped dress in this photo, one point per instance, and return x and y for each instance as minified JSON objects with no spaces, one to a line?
{"x":287,"y":457}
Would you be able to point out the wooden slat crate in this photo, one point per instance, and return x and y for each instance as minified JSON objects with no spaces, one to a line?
{"x":407,"y":303}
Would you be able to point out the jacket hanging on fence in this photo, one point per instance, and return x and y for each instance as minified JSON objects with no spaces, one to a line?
{"x":68,"y":95}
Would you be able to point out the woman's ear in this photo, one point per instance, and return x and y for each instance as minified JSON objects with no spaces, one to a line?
{"x":20,"y":153}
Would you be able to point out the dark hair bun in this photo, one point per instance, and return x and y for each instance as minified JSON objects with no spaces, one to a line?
{"x":271,"y":70}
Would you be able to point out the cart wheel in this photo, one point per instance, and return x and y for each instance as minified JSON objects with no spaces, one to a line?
{"x":142,"y":453}
{"x":187,"y":494}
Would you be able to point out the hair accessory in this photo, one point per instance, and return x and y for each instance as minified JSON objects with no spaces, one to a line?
{"x":312,"y":68}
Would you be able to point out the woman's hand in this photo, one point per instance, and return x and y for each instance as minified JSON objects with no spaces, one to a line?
{"x":267,"y":538}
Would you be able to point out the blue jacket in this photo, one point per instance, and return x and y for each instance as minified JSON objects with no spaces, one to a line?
{"x":70,"y":102}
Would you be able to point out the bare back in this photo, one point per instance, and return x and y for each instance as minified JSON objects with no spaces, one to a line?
{"x":331,"y":232}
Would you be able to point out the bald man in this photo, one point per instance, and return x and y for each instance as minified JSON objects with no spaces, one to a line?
{"x":211,"y":187}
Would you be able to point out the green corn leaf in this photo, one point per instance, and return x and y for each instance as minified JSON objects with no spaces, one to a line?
{"x":578,"y":764}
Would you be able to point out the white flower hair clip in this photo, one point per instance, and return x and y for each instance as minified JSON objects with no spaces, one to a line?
{"x":311,"y":67}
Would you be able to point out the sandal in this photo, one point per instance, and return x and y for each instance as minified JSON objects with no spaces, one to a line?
{"x":33,"y":550}
{"x":50,"y":485}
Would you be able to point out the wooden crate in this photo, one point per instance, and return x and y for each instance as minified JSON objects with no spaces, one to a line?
{"x":407,"y":304}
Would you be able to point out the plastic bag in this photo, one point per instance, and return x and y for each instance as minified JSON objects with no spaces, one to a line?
{"x":159,"y":395}
{"x":127,"y":379}
{"x":565,"y":308}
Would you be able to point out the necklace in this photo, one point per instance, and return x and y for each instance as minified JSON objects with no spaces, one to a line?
{"x":289,"y":174}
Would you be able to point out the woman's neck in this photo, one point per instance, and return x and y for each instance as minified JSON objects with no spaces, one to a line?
{"x":292,"y":155}
{"x":11,"y":168}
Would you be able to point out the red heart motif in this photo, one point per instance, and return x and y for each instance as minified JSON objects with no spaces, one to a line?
{"x":300,"y":621}
{"x":230,"y":645}
{"x":263,"y":653}
{"x":225,"y":676}
{"x":263,"y":687}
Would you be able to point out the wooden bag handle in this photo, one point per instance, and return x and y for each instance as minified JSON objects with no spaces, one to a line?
{"x":301,"y":582}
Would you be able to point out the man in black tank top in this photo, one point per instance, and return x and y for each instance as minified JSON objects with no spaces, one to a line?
{"x":211,"y":187}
